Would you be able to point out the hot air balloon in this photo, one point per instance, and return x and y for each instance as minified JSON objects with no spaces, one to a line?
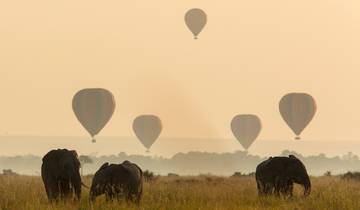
{"x":246,"y":128}
{"x":147,"y":129}
{"x":93,"y":108}
{"x":195,"y":20}
{"x":297,"y":109}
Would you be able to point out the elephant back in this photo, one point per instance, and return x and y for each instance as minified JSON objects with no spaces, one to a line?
{"x":262,"y":167}
{"x":275,"y":166}
{"x":271,"y":167}
{"x":51,"y":161}
{"x":56,"y":161}
{"x":136,"y":175}
{"x":134,"y":169}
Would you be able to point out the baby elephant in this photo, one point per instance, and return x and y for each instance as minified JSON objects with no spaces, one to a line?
{"x":116,"y":181}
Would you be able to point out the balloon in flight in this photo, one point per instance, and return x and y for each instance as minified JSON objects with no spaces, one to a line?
{"x":297,"y":110}
{"x":195,"y":20}
{"x":93,"y":108}
{"x":246,"y":128}
{"x":147,"y":129}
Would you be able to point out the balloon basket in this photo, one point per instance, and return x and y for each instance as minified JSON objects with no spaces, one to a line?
{"x":147,"y":151}
{"x":195,"y":37}
{"x":297,"y":138}
{"x":93,"y":140}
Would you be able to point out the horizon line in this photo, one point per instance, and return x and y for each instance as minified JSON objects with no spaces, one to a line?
{"x":202,"y":138}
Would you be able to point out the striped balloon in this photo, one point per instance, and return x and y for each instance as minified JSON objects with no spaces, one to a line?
{"x":147,"y":129}
{"x":297,"y":109}
{"x":93,"y":108}
{"x":246,"y":129}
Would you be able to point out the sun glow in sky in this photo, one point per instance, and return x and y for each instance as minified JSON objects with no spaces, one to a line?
{"x":247,"y":57}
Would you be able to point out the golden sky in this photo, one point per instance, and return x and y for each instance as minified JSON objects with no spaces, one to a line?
{"x":248,"y":56}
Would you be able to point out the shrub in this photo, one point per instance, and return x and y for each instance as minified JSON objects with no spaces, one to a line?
{"x":148,"y":176}
{"x":351,"y":176}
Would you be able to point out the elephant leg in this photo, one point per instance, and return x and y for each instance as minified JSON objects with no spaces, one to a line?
{"x":268,"y":188}
{"x":129,"y":196}
{"x":277,"y":191}
{"x":277,"y":187}
{"x":263,"y":188}
{"x":259,"y":188}
{"x":47,"y":189}
{"x":287,"y":188}
{"x":135,"y":196}
{"x":109,"y":194}
{"x":65,"y":189}
{"x":280,"y":186}
{"x":138,"y":197}
{"x":290,"y":189}
{"x":52,"y":190}
{"x":271,"y":189}
{"x":119,"y":192}
{"x":108,"y":197}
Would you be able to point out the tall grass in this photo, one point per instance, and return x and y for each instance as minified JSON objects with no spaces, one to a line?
{"x":202,"y":192}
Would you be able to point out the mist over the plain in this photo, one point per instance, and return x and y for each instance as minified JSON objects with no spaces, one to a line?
{"x":203,"y":156}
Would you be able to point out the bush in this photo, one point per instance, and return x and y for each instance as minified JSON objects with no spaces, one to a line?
{"x":148,"y":176}
{"x":351,"y":176}
{"x":239,"y":174}
{"x":172,"y":175}
{"x":327,"y":173}
{"x":9,"y":172}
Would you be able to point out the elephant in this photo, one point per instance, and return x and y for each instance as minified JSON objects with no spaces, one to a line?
{"x":117,"y":181}
{"x":277,"y":175}
{"x":60,"y":174}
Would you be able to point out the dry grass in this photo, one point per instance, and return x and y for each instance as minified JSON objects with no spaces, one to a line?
{"x":203,"y":192}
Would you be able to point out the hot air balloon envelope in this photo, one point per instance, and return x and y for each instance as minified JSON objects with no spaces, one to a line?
{"x":93,"y":108}
{"x":246,"y":129}
{"x":195,"y":20}
{"x":147,"y":129}
{"x":297,"y":110}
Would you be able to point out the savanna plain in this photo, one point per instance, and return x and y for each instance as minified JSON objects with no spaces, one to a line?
{"x":192,"y":192}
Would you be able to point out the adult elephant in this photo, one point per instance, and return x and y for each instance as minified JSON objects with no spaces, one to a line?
{"x":277,"y":175}
{"x":60,"y":174}
{"x":118,"y":180}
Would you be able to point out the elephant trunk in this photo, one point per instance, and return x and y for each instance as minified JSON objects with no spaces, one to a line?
{"x":95,"y":190}
{"x":92,"y":197}
{"x":307,"y":186}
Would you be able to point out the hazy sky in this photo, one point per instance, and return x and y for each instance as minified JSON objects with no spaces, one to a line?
{"x":248,"y":56}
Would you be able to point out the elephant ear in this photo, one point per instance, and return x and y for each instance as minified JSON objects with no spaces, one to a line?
{"x":76,"y":157}
{"x":74,"y":153}
{"x":126,"y":162}
{"x":130,"y":164}
{"x":48,"y":155}
{"x":294,"y":163}
{"x":141,"y":172}
{"x":292,"y":156}
{"x":53,"y":155}
{"x":105,"y":165}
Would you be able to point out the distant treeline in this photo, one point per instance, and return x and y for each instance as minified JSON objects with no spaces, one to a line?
{"x":193,"y":163}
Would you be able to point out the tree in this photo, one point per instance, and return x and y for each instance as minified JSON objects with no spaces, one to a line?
{"x":84,"y":159}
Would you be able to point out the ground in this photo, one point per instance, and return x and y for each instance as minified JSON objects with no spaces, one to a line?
{"x":201,"y":192}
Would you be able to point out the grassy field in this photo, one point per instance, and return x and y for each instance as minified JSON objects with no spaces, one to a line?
{"x":202,"y":192}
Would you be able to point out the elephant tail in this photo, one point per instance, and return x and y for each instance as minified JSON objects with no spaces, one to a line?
{"x":84,"y":185}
